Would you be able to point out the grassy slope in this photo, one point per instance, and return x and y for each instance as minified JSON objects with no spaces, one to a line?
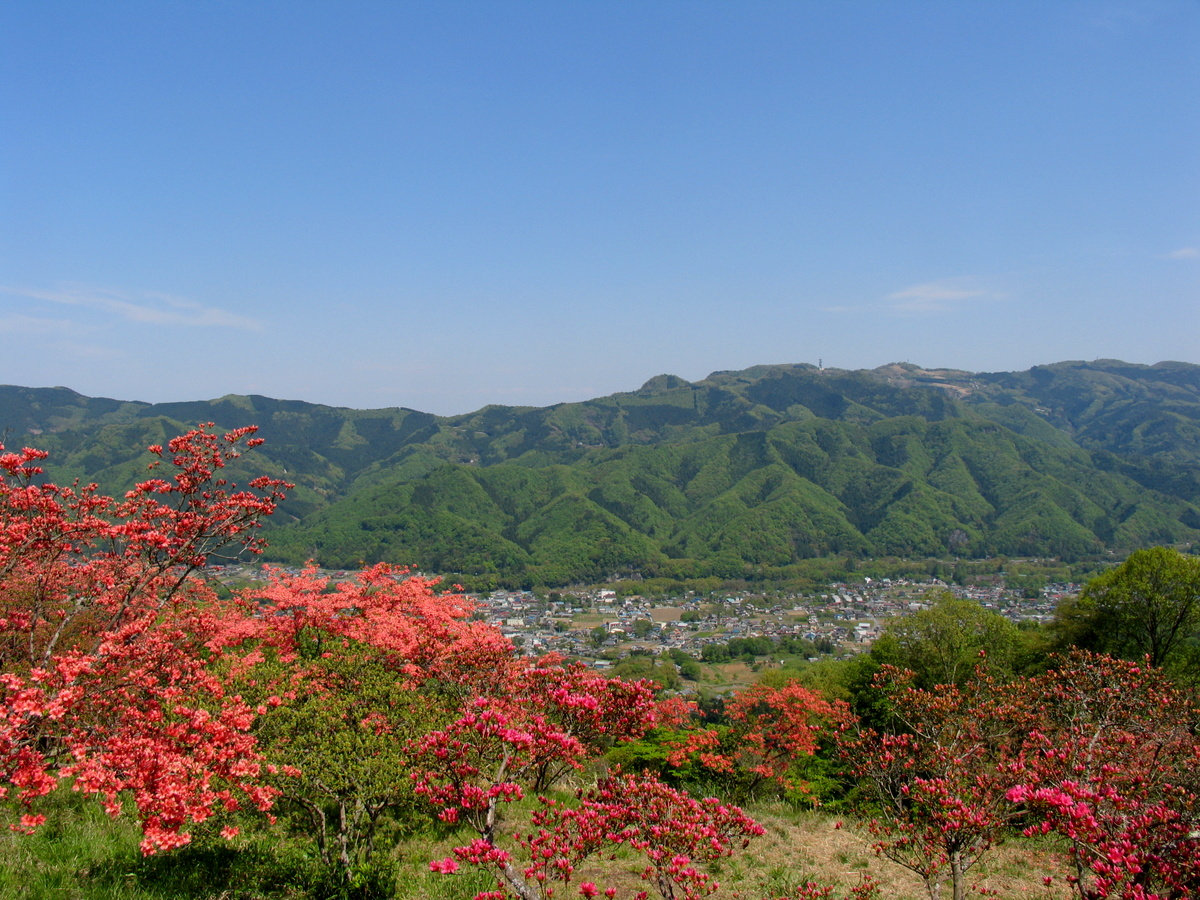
{"x":86,"y":856}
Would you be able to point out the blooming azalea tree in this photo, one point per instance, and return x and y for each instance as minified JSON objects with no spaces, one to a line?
{"x":1101,"y":751}
{"x":539,"y":722}
{"x":939,"y":780}
{"x":103,"y":632}
{"x":767,"y":730}
{"x":346,"y":675}
{"x":424,"y":634}
{"x":595,"y":710}
{"x":1112,"y":764}
{"x":676,"y":834}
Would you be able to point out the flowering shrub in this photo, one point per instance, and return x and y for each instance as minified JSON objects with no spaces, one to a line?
{"x":1112,"y":764}
{"x":104,"y":633}
{"x":768,"y":730}
{"x":940,"y":778}
{"x":675,"y":833}
{"x":346,"y":675}
{"x":537,"y":723}
{"x":1100,"y":751}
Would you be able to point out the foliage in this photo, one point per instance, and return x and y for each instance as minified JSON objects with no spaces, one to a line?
{"x":766,"y":731}
{"x":940,"y":775}
{"x":104,"y":635}
{"x":339,"y":744}
{"x":660,"y":671}
{"x":942,"y":642}
{"x":1147,"y":607}
{"x":1112,"y":763}
{"x":740,"y":476}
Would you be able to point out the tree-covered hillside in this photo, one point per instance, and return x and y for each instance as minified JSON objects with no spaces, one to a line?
{"x":741,"y":473}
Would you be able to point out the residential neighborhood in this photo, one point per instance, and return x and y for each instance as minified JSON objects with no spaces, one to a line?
{"x":848,"y":617}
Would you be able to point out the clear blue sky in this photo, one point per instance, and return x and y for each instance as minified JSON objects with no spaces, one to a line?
{"x":444,"y":205}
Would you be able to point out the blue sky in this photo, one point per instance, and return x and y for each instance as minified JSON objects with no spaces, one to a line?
{"x":444,"y":205}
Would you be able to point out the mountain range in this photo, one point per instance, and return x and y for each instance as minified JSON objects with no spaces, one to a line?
{"x":736,"y":475}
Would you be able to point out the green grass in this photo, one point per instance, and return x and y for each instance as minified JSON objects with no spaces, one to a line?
{"x":60,"y":860}
{"x":82,"y":854}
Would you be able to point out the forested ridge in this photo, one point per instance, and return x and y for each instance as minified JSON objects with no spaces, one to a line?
{"x":741,"y":473}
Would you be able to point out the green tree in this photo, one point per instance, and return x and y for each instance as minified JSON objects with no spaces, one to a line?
{"x":1147,"y":607}
{"x":688,"y":667}
{"x":713,"y":653}
{"x":661,"y":671}
{"x":341,"y":747}
{"x":942,"y":644}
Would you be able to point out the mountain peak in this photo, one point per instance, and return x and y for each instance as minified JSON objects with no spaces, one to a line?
{"x":662,"y":383}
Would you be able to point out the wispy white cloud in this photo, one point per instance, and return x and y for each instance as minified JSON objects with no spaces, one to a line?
{"x":150,"y":308}
{"x":19,"y":323}
{"x":1185,"y":253}
{"x":936,"y":296}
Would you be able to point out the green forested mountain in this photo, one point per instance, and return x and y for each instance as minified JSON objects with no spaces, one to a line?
{"x":740,"y":473}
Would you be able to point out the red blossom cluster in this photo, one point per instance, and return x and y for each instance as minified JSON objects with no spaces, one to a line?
{"x":1100,"y":751}
{"x":676,"y":833}
{"x":939,"y":776}
{"x":1112,"y":764}
{"x":767,"y":729}
{"x":426,"y":634}
{"x":103,"y":632}
{"x":537,"y":722}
